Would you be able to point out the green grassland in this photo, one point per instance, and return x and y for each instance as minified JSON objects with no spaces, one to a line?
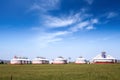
{"x":60,"y":72}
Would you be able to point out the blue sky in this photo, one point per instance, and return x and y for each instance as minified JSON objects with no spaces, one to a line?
{"x":51,"y":28}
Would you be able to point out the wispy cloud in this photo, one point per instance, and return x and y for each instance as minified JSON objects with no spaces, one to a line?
{"x":71,"y":23}
{"x":64,"y":24}
{"x":90,"y":28}
{"x":63,"y":21}
{"x":88,"y":24}
{"x":89,"y":1}
{"x":58,"y":22}
{"x":79,"y":26}
{"x":94,"y":21}
{"x":45,"y":5}
{"x":91,"y":25}
{"x":80,"y":19}
{"x":48,"y":38}
{"x":101,"y":39}
{"x":111,"y":15}
{"x":108,"y":16}
{"x":35,"y":6}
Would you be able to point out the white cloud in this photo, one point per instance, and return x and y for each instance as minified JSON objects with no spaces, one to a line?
{"x":79,"y":26}
{"x":54,"y":40}
{"x":111,"y":15}
{"x":72,"y":23}
{"x":94,"y":21}
{"x":57,"y":22}
{"x":108,"y":16}
{"x":90,"y":28}
{"x":62,"y":21}
{"x":35,"y":6}
{"x":101,"y":39}
{"x":76,"y":21}
{"x":48,"y":38}
{"x":84,"y":25}
{"x":45,"y":5}
{"x":89,"y":1}
{"x":60,"y":33}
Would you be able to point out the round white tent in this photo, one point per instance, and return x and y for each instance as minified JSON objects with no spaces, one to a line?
{"x":80,"y":60}
{"x":40,"y":60}
{"x":19,"y":60}
{"x":103,"y":58}
{"x":59,"y":60}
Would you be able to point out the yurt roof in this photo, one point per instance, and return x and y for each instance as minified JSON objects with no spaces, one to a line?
{"x":80,"y":58}
{"x":59,"y":58}
{"x":20,"y":58}
{"x":40,"y":58}
{"x":101,"y":57}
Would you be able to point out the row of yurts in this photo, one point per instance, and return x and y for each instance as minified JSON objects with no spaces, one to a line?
{"x":101,"y":58}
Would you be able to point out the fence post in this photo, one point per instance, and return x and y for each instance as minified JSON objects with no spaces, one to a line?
{"x":11,"y":77}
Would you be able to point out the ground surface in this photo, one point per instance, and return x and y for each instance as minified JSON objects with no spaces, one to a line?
{"x":60,"y":72}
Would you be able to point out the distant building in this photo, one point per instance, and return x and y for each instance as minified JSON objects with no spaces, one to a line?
{"x":103,"y":58}
{"x":118,"y":61}
{"x":1,"y":62}
{"x":59,"y":60}
{"x":80,"y":60}
{"x":6,"y":61}
{"x":20,"y":60}
{"x":40,"y":60}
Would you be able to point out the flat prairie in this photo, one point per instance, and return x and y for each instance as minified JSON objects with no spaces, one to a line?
{"x":60,"y":72}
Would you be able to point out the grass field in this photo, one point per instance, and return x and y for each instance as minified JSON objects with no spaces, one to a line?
{"x":60,"y":72}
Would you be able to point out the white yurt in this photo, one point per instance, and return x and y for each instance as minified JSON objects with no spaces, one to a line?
{"x":80,"y":60}
{"x":40,"y":60}
{"x":59,"y":60}
{"x":20,"y":60}
{"x":103,"y":58}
